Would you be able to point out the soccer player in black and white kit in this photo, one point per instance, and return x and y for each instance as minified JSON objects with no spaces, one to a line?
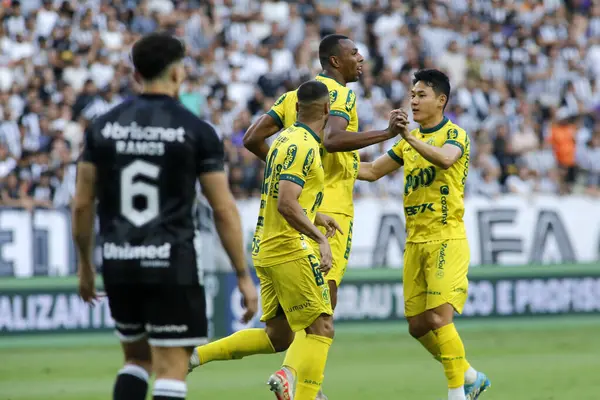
{"x":141,"y":163}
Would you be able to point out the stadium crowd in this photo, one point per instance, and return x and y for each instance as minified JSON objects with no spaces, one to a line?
{"x":525,"y":76}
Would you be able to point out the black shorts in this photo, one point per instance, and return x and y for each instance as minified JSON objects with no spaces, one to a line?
{"x":168,"y":315}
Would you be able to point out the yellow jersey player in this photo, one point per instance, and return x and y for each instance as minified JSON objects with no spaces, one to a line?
{"x":436,"y":259}
{"x":341,"y":63}
{"x":291,"y":269}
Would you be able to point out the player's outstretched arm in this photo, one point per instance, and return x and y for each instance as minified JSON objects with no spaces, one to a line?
{"x":256,"y":136}
{"x":82,"y":221}
{"x":337,"y":138}
{"x":443,"y":157}
{"x":372,"y":171}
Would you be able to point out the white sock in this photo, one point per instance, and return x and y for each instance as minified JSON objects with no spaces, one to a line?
{"x":170,"y":388}
{"x":457,"y":394}
{"x":470,"y":376}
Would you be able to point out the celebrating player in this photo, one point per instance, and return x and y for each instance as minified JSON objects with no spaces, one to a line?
{"x":342,"y":63}
{"x":141,"y":162}
{"x":436,"y":259}
{"x":295,"y":296}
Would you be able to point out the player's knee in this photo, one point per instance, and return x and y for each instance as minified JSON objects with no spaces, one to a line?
{"x":417,"y":327}
{"x":281,"y":339}
{"x":435,"y":320}
{"x":323,"y":326}
{"x":139,"y":354}
{"x":171,"y":363}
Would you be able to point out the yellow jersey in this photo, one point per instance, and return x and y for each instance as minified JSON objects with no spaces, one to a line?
{"x":341,"y":169}
{"x":434,"y":197}
{"x":295,"y":157}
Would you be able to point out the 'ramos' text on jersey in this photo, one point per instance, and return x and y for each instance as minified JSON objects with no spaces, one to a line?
{"x":434,"y":197}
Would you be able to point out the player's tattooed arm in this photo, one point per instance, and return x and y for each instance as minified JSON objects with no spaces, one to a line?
{"x":337,"y":138}
{"x":372,"y":171}
{"x":256,"y":136}
{"x":290,"y":209}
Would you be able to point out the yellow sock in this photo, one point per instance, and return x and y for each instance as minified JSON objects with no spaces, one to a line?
{"x":311,"y":366}
{"x":293,"y":356}
{"x":452,"y":353}
{"x":430,"y":342}
{"x":239,"y":345}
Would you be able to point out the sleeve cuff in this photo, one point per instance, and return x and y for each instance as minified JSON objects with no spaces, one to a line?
{"x":276,"y":117}
{"x":292,"y":178}
{"x":395,"y":157}
{"x":342,"y":114}
{"x":457,"y":144}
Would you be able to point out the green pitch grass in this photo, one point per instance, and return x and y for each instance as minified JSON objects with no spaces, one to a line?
{"x":547,"y":359}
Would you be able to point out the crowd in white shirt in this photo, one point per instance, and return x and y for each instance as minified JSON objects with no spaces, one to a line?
{"x":525,"y":80}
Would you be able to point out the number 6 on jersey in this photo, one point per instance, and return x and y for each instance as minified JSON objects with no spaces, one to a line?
{"x":131,"y":189}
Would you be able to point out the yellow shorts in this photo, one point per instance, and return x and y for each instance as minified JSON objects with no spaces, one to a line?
{"x":341,"y":245}
{"x":435,"y":273}
{"x":298,"y":288}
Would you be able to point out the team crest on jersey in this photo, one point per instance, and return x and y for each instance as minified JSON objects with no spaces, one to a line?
{"x":290,"y":156}
{"x":310,"y":157}
{"x":280,"y":99}
{"x":452,"y":134}
{"x":431,"y":142}
{"x":350,"y":101}
{"x":333,"y":96}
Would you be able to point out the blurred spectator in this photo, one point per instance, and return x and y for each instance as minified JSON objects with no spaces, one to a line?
{"x":525,"y":81}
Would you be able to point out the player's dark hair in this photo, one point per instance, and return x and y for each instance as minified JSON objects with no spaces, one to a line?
{"x":311,"y":91}
{"x":435,"y":79}
{"x":152,"y":54}
{"x":328,"y":47}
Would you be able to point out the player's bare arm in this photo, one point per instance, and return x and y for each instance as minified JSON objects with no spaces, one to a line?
{"x":290,"y":209}
{"x":372,"y":171}
{"x":337,"y":138}
{"x":215,"y":188}
{"x":83,"y":216}
{"x":329,"y":223}
{"x":256,"y":136}
{"x":443,"y":157}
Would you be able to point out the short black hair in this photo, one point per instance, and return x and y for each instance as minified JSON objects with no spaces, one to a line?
{"x":152,"y":54}
{"x":435,"y":79}
{"x":329,"y":46}
{"x":311,"y":91}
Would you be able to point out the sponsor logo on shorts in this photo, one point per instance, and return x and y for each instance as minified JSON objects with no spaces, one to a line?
{"x":299,"y":307}
{"x":166,"y":328}
{"x":441,"y":261}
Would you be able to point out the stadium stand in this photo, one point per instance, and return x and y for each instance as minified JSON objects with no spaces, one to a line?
{"x":525,"y":76}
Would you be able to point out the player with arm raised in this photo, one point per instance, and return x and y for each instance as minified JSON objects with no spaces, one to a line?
{"x":436,"y":259}
{"x":342,"y":63}
{"x":141,"y":163}
{"x":294,"y":292}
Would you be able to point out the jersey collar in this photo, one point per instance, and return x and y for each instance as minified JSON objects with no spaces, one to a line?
{"x":322,"y":75}
{"x":314,"y":135}
{"x":435,"y":128}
